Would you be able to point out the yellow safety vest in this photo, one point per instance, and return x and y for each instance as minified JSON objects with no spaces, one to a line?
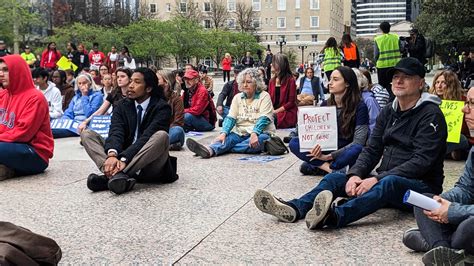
{"x":332,"y":59}
{"x":389,"y":50}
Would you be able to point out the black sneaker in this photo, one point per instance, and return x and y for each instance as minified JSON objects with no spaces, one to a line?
{"x":97,"y":182}
{"x":308,"y":169}
{"x":198,"y":148}
{"x":270,"y":204}
{"x":287,"y":139}
{"x":446,"y":256}
{"x":176,"y":147}
{"x":320,"y":212}
{"x":121,"y":183}
{"x":413,"y":240}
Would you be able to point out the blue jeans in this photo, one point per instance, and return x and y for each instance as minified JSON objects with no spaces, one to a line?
{"x":63,"y":133}
{"x":462,"y":145}
{"x":388,"y":192}
{"x":238,"y":144}
{"x":22,"y":158}
{"x":348,"y":157}
{"x":176,"y":135}
{"x":196,"y":123}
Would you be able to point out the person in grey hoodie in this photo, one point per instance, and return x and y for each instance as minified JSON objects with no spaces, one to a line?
{"x":410,"y":138}
{"x":446,"y":234}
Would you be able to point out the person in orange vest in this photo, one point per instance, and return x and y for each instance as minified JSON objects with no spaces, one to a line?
{"x":351,"y":52}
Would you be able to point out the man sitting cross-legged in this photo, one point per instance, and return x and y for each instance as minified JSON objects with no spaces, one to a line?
{"x":409,"y":136}
{"x":137,"y":146}
{"x":446,"y":234}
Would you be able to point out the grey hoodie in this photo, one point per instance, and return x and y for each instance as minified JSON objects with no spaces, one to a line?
{"x":411,"y":144}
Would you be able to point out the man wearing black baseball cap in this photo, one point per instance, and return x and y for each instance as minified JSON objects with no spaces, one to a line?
{"x":409,"y":138}
{"x":3,"y":49}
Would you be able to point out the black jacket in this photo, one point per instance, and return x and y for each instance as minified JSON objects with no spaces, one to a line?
{"x":228,"y":92}
{"x":315,"y":86}
{"x":412,"y":143}
{"x":124,"y":122}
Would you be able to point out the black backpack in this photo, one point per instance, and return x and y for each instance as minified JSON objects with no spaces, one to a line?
{"x":275,"y":146}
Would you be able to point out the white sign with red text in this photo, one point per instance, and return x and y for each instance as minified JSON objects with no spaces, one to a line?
{"x":317,"y":125}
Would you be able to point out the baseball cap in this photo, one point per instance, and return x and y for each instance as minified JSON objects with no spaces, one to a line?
{"x":191,"y":74}
{"x":238,"y":68}
{"x":410,"y":66}
{"x":27,"y":47}
{"x":2,"y":42}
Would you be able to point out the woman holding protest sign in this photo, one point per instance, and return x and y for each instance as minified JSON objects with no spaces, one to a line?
{"x":119,"y":93}
{"x":446,"y":86}
{"x":249,"y":122}
{"x":352,"y":127}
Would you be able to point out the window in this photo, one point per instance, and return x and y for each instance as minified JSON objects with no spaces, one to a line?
{"x":281,"y":5}
{"x":183,"y":6}
{"x":256,"y":23}
{"x":314,"y":38}
{"x":207,"y":23}
{"x":297,"y":22}
{"x":231,"y":5}
{"x":256,"y":5}
{"x":271,"y":21}
{"x":297,"y":37}
{"x":281,"y":23}
{"x":266,"y":21}
{"x":297,"y":4}
{"x":231,"y":23}
{"x":207,"y":7}
{"x":314,"y":22}
{"x":168,"y":7}
{"x":314,"y":4}
{"x":152,"y":8}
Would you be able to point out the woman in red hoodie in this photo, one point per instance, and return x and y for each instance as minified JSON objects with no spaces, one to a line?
{"x":26,"y":141}
{"x":50,"y":56}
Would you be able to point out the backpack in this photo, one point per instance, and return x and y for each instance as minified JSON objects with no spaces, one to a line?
{"x":430,"y":48}
{"x":275,"y":146}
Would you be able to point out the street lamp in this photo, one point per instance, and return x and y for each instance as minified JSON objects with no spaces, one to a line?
{"x":313,"y":54}
{"x":302,"y":47}
{"x":281,"y":41}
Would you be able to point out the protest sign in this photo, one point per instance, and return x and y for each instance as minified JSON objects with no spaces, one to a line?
{"x":100,"y":124}
{"x":65,"y":123}
{"x":317,"y":125}
{"x":64,"y":64}
{"x":453,"y":114}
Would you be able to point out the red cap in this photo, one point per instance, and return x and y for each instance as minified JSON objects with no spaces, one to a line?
{"x":191,"y":74}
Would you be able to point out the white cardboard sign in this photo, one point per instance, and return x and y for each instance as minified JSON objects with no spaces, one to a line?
{"x":317,"y":125}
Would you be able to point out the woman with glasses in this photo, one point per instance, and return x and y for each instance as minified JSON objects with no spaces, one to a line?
{"x":446,"y":86}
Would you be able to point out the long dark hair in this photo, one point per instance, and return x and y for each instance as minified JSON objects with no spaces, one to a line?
{"x":346,"y":41}
{"x":284,"y":65}
{"x":47,"y":47}
{"x":350,"y":101}
{"x":330,"y":43}
{"x":151,"y":81}
{"x":73,"y":46}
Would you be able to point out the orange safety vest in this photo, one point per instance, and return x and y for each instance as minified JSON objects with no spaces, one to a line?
{"x":350,"y":53}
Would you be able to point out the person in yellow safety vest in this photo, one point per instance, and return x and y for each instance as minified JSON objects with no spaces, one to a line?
{"x":387,"y":54}
{"x":29,"y":57}
{"x":332,"y":57}
{"x":350,"y":51}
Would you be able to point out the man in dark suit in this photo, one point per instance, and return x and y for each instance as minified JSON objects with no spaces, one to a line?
{"x":137,"y":146}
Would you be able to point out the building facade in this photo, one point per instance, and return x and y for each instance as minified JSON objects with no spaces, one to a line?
{"x":300,"y":25}
{"x":370,"y":13}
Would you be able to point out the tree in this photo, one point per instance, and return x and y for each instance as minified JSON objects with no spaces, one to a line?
{"x":219,"y":14}
{"x":245,"y":16}
{"x":189,"y":10}
{"x":292,"y":56}
{"x":447,"y":24}
{"x":366,"y":48}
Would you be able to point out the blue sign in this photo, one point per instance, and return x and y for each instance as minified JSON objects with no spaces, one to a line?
{"x":260,"y":159}
{"x":100,"y":124}
{"x":65,"y":123}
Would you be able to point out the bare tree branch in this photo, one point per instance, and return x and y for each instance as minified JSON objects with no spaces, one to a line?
{"x":245,"y":17}
{"x":191,"y":11}
{"x":218,"y":14}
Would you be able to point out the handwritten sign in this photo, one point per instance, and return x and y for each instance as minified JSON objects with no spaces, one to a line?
{"x":65,"y":123}
{"x":317,"y":125}
{"x":64,"y":64}
{"x":100,"y":124}
{"x":453,"y":114}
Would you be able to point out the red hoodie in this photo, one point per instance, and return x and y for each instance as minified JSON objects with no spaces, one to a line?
{"x":24,"y":112}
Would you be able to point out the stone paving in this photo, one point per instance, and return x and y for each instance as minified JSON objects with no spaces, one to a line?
{"x":206,"y":217}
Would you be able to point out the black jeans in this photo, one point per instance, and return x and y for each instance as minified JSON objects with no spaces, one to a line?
{"x":226,"y":73}
{"x":385,"y":80}
{"x":446,"y":235}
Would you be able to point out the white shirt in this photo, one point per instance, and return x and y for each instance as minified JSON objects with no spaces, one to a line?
{"x":54,"y":99}
{"x":144,"y":105}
